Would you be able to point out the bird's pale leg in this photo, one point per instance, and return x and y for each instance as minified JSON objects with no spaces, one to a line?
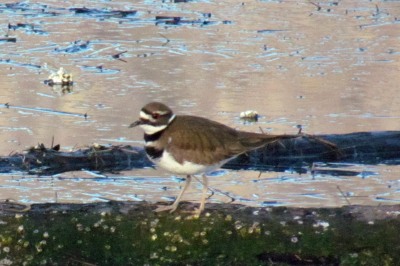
{"x":172,"y":208}
{"x":203,"y":195}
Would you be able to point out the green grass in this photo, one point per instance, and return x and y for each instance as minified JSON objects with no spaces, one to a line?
{"x":219,"y":238}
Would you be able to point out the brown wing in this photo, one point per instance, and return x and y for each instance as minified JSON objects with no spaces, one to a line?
{"x":204,"y":141}
{"x":201,"y":141}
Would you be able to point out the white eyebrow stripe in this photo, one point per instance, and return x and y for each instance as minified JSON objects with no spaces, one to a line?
{"x":145,"y":116}
{"x":162,"y":112}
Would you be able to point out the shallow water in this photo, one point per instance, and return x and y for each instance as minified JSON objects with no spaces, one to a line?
{"x":332,"y":69}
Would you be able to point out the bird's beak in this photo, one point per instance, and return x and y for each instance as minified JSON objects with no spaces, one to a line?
{"x":136,"y":123}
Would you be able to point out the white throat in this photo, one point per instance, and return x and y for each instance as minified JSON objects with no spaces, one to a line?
{"x":150,"y":129}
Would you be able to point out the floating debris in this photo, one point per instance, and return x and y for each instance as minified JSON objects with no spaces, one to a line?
{"x":19,"y":25}
{"x":118,"y":56}
{"x":174,"y":20}
{"x":29,"y":28}
{"x":249,"y":115}
{"x":76,"y":47}
{"x":103,"y":13}
{"x":23,"y":6}
{"x":59,"y":78}
{"x":100,"y":69}
{"x":34,"y":9}
{"x":269,"y":31}
{"x":168,"y":20}
{"x":15,"y":63}
{"x":8,"y":39}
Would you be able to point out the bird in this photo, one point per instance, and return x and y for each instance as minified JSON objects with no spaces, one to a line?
{"x":192,"y":145}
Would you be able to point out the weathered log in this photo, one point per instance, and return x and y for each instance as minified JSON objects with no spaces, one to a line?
{"x":298,"y":154}
{"x":44,"y":161}
{"x":379,"y":147}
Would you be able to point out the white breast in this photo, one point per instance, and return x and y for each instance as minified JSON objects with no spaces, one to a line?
{"x":167,"y":162}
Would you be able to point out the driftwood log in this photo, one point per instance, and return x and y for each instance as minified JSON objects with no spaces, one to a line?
{"x":298,"y":154}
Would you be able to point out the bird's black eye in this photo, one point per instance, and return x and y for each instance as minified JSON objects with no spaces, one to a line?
{"x":155,"y":115}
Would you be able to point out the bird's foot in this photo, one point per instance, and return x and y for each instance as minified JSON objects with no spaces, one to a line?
{"x":173,"y":207}
{"x":163,"y":208}
{"x":194,"y":213}
{"x":199,"y":210}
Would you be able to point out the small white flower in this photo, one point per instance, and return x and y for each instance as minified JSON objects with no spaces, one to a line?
{"x":20,"y":229}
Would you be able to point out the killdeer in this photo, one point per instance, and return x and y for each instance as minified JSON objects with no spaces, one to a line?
{"x":190,"y":145}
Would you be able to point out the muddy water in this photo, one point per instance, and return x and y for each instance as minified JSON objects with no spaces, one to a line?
{"x":333,"y":68}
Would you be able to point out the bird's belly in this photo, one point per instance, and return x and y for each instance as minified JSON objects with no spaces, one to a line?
{"x":167,"y":162}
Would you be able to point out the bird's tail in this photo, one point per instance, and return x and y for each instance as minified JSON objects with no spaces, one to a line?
{"x":254,"y":141}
